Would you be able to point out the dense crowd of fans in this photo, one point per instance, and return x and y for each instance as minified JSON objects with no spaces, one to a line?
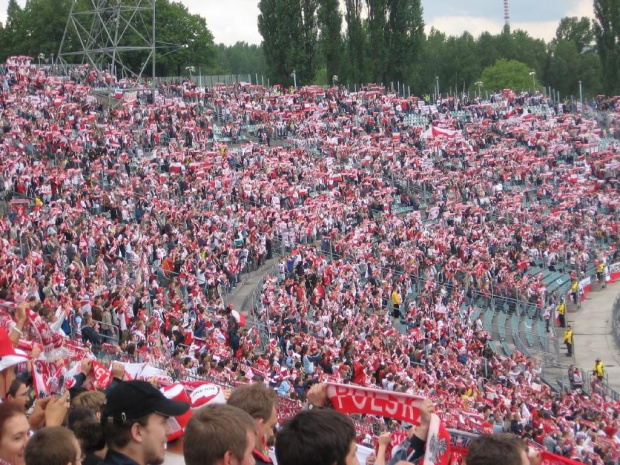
{"x":129,"y":225}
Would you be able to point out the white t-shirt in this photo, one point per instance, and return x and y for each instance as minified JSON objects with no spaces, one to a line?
{"x":173,"y":459}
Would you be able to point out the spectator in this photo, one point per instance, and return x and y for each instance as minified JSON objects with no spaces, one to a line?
{"x":14,"y":430}
{"x":135,"y":418}
{"x":498,"y":423}
{"x":575,"y":377}
{"x":87,"y":429}
{"x":53,"y":445}
{"x":219,"y":434}
{"x":599,"y":369}
{"x":551,"y":443}
{"x":18,"y":393}
{"x":260,"y":402}
{"x":491,"y":449}
{"x":317,"y":437}
{"x":568,"y":341}
{"x":92,"y":400}
{"x":90,"y":334}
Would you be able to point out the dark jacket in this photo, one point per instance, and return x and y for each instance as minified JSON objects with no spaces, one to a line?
{"x":90,"y":335}
{"x":411,"y":450}
{"x":116,"y":458}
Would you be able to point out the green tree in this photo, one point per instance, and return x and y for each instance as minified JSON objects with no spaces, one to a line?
{"x":607,"y":34}
{"x":405,"y":36}
{"x":43,"y":25}
{"x":329,"y":19}
{"x":526,"y":49}
{"x":590,"y":72}
{"x":376,"y":29}
{"x":240,"y":58}
{"x":459,"y":68}
{"x":309,"y":32}
{"x":487,"y":49}
{"x":507,"y":74}
{"x":571,"y":59}
{"x":289,"y":30}
{"x":356,"y":71}
{"x":176,"y":25}
{"x":564,"y":68}
{"x":431,"y":62}
{"x":13,"y":40}
{"x":576,"y":30}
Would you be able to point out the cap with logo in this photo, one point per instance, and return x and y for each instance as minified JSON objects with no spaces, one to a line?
{"x":131,"y":400}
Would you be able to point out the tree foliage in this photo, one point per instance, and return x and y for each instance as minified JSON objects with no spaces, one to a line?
{"x":507,"y":74}
{"x":607,"y":34}
{"x":360,"y":41}
{"x":356,"y":42}
{"x":240,"y":58}
{"x":176,"y":25}
{"x":572,"y":59}
{"x":330,"y":39}
{"x":579,"y":31}
{"x":290,"y":35}
{"x":405,"y":35}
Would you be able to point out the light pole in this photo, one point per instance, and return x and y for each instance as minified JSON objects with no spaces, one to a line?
{"x":334,"y":80}
{"x":533,"y":74}
{"x":437,"y":83}
{"x":294,"y":75}
{"x":191,"y":69}
{"x":41,"y":56}
{"x":479,"y":84}
{"x":581,"y":95}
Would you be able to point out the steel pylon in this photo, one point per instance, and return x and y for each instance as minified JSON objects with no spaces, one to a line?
{"x":117,"y":36}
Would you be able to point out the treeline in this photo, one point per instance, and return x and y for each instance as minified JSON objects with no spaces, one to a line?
{"x":383,"y":41}
{"x":362,"y":41}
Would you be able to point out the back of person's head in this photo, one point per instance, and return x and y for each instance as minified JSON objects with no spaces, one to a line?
{"x":316,"y":437}
{"x":491,"y":449}
{"x":92,"y":400}
{"x":52,"y":445}
{"x":87,"y":429}
{"x":256,"y":399}
{"x":218,"y":432}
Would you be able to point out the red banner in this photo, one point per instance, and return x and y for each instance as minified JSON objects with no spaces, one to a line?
{"x":552,"y":459}
{"x":357,"y":399}
{"x":352,"y":399}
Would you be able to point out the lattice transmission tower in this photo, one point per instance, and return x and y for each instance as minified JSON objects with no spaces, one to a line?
{"x":113,"y":35}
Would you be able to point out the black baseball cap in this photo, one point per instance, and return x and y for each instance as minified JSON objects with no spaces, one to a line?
{"x":131,"y":400}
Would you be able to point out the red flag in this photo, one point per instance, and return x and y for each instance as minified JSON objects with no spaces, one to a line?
{"x":437,"y":443}
{"x":356,"y":399}
{"x":103,"y":376}
{"x":40,"y":375}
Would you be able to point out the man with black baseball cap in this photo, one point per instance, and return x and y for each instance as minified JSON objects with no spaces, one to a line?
{"x":135,"y":422}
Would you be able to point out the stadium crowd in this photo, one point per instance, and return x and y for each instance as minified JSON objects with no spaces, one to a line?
{"x":129,"y":225}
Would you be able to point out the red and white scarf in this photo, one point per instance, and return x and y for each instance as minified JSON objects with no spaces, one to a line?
{"x":352,"y":399}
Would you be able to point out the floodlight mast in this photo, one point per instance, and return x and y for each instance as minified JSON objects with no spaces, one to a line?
{"x":99,"y":33}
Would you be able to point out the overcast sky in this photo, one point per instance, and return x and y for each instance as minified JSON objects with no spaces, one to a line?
{"x":235,"y":20}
